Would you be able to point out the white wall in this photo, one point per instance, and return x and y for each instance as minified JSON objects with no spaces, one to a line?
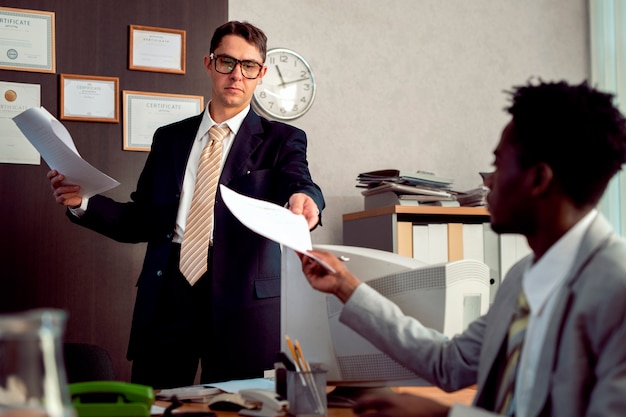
{"x":415,"y":84}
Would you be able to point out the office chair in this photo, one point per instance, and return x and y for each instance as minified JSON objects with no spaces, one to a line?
{"x":86,"y":362}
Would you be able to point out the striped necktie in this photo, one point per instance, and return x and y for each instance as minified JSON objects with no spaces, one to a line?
{"x":515,"y":341}
{"x":199,"y":226}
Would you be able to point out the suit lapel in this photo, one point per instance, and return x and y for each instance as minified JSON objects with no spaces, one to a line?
{"x":597,"y":235}
{"x":246,"y":142}
{"x":497,"y":332}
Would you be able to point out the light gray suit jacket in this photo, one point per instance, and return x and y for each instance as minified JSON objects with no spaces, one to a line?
{"x":582,"y":370}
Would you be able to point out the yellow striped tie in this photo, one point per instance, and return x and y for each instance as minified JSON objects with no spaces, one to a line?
{"x":515,"y":341}
{"x":197,"y":234}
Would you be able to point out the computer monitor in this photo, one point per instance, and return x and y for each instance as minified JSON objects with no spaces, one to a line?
{"x":445,"y":296}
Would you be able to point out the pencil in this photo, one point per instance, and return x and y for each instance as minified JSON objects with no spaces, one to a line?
{"x":296,"y":359}
{"x":305,"y":364}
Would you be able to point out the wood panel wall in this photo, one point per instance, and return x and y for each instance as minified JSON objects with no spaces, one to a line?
{"x":45,"y":260}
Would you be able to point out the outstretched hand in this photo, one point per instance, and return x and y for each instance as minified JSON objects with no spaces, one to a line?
{"x":300,"y":203}
{"x":342,"y":282}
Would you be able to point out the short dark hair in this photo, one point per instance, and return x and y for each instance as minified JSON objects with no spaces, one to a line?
{"x":245,"y":30}
{"x":575,"y":129}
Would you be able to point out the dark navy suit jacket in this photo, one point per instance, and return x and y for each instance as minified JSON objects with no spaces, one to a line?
{"x":267,"y":161}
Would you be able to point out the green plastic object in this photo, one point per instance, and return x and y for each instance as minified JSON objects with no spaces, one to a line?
{"x":111,"y":399}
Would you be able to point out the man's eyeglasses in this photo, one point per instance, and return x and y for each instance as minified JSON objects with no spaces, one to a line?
{"x":225,"y":64}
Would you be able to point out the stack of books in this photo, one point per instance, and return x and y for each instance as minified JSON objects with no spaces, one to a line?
{"x":390,"y":187}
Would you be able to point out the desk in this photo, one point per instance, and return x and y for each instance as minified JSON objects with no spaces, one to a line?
{"x":464,"y":396}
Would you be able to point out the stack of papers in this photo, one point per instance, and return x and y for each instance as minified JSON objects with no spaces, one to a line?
{"x":391,"y":187}
{"x":475,"y":197}
{"x":419,"y":178}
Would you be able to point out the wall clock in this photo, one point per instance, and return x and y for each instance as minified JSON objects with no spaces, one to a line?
{"x":287,"y":90}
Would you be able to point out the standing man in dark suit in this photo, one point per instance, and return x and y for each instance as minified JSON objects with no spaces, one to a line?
{"x":229,"y":319}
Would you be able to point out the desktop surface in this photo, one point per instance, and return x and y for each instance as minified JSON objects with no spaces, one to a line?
{"x":464,"y":396}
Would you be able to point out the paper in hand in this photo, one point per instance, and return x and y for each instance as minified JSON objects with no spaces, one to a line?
{"x":54,"y":143}
{"x":271,"y":221}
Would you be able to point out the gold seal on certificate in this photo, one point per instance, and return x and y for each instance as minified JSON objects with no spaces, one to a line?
{"x":10,"y":95}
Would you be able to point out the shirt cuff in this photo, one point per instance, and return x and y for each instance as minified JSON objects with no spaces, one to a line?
{"x":80,"y":210}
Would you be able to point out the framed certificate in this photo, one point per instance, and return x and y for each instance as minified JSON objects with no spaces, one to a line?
{"x":145,"y":112}
{"x":89,"y":98}
{"x":156,"y":49}
{"x":27,"y":40}
{"x":14,"y":99}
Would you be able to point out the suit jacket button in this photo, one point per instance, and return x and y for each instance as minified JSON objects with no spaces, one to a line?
{"x":169,"y":235}
{"x":159,"y":273}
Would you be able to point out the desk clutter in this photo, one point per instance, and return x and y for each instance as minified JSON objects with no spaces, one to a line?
{"x":260,"y":402}
{"x":298,"y":388}
{"x":392,"y":187}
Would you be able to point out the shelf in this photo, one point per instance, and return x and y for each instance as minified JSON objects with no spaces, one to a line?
{"x":419,"y":210}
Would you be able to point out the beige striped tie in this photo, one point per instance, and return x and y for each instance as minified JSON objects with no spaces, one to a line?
{"x":517,"y":330}
{"x":197,"y":235}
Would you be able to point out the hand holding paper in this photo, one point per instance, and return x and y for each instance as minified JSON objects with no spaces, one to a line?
{"x":271,"y":221}
{"x":54,"y":143}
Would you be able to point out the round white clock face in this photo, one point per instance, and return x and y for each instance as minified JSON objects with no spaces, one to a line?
{"x":287,"y":90}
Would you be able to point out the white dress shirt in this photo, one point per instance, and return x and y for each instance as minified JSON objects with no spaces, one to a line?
{"x":541,"y":283}
{"x":189,"y":182}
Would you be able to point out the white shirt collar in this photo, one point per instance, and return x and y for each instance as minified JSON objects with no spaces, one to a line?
{"x":234,"y":123}
{"x":543,"y":278}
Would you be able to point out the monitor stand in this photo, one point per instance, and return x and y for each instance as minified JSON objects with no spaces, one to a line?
{"x":346,"y":397}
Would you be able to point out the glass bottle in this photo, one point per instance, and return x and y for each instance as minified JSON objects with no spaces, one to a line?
{"x":32,"y":371}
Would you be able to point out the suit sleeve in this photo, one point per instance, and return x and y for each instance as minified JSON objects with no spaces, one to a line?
{"x":293,"y":164}
{"x":451,"y":364}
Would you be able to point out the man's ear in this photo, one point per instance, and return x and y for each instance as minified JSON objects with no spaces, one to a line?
{"x":542,"y":178}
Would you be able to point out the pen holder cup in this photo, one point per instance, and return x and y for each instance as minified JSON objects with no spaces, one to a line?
{"x":306,"y":393}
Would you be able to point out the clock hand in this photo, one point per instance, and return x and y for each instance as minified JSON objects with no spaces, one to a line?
{"x":280,"y":75}
{"x":294,"y":81}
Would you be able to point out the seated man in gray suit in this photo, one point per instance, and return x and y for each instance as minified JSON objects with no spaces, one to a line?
{"x":552,"y":165}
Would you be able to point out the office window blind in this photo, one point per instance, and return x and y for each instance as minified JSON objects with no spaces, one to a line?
{"x":608,"y":72}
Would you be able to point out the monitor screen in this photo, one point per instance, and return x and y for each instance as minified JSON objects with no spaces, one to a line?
{"x":446,"y":297}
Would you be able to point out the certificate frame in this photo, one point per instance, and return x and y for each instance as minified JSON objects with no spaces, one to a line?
{"x":144,"y":112}
{"x":157,"y":49}
{"x":89,"y":98}
{"x":29,"y":50}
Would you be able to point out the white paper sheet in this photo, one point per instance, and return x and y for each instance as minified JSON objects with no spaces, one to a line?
{"x":54,"y":143}
{"x":271,"y":221}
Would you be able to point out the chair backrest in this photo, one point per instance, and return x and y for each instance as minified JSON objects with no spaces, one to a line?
{"x":86,"y":362}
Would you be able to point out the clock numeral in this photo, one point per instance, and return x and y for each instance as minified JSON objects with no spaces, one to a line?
{"x":303,"y":99}
{"x":294,"y":108}
{"x":306,"y":87}
{"x":284,"y":58}
{"x":262,"y":94}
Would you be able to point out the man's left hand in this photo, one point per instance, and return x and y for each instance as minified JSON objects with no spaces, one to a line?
{"x":300,"y":203}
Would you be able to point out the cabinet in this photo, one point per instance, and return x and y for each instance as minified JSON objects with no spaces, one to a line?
{"x":436,"y":234}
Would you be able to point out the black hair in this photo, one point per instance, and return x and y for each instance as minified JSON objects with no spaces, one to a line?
{"x":245,"y":30}
{"x":575,"y":129}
